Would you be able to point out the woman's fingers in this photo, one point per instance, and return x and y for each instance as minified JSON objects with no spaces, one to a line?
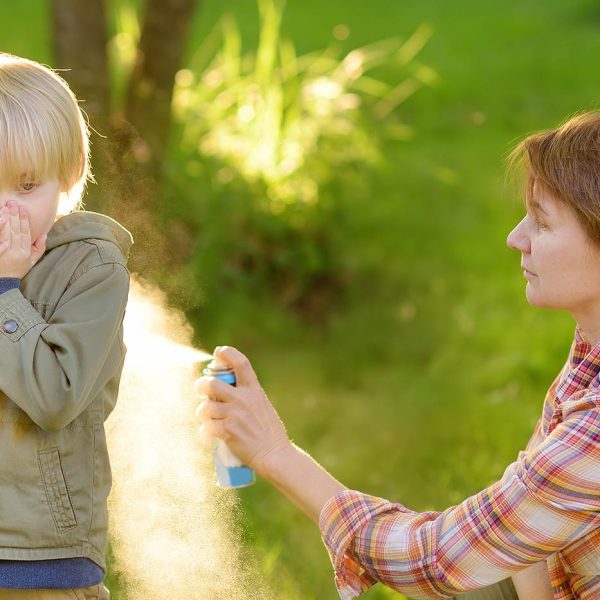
{"x":211,"y":415}
{"x":210,"y":431}
{"x":241,"y":416}
{"x":216,"y":389}
{"x":209,"y":409}
{"x":205,"y":437}
{"x":244,"y":373}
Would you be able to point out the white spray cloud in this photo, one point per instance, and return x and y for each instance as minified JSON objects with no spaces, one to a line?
{"x":172,"y":529}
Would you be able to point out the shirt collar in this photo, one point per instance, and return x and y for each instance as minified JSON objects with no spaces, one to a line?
{"x":581,"y":348}
{"x":584,"y":368}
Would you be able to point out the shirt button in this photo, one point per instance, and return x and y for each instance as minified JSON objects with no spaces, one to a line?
{"x":10,"y":326}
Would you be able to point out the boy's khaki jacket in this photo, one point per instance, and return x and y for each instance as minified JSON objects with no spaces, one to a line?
{"x":61,"y":356}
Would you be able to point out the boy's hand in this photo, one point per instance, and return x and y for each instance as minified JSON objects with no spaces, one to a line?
{"x":17,"y":252}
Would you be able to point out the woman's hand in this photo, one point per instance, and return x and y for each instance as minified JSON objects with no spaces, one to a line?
{"x":246,"y":421}
{"x":17,"y":252}
{"x":241,"y":416}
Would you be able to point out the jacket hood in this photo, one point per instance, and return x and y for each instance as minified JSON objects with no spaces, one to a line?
{"x":85,"y":225}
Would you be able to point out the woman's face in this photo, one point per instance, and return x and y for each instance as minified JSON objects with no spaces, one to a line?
{"x":559,"y":261}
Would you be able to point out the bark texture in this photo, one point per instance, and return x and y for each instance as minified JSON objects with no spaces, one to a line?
{"x":129,"y":144}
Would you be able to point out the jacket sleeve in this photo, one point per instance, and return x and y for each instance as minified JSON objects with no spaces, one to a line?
{"x":53,"y":369}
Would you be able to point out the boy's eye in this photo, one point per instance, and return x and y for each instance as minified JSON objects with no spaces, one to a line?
{"x":27,"y":186}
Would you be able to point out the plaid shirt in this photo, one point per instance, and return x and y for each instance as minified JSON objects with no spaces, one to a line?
{"x":546,"y":506}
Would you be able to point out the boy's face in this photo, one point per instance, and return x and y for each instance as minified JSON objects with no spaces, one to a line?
{"x":41,"y":201}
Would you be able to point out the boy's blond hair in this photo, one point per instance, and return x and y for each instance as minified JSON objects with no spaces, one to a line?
{"x":43,"y":132}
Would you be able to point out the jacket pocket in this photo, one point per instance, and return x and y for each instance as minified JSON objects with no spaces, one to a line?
{"x":57,"y":493}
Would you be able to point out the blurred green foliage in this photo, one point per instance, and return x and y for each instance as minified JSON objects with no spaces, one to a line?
{"x":428,"y":375}
{"x":292,"y":122}
{"x":280,"y":143}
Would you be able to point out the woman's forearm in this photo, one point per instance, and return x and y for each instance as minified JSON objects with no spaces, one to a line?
{"x":299,"y":477}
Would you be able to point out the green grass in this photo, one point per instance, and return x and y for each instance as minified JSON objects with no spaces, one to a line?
{"x":426,"y":382}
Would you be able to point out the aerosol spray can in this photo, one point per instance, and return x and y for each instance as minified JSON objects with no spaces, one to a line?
{"x":231,"y":473}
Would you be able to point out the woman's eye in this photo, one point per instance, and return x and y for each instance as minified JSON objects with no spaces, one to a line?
{"x":539,"y":224}
{"x":27,"y":186}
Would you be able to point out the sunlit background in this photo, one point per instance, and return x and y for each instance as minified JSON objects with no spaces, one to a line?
{"x":332,"y":200}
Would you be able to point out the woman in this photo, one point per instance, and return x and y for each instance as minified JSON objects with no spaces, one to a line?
{"x":540,"y":524}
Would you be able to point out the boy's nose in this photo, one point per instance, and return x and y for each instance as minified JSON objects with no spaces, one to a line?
{"x":518,"y":239}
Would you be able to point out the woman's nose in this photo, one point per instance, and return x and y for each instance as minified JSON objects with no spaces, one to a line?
{"x":518,"y":239}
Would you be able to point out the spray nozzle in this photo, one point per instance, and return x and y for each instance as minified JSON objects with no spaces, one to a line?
{"x":217,"y":364}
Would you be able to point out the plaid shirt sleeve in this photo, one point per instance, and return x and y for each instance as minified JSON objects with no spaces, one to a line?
{"x":546,"y":500}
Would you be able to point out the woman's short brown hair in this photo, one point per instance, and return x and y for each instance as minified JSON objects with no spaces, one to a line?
{"x":566,"y":162}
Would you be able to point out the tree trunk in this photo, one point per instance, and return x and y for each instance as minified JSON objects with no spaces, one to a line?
{"x":159,"y":57}
{"x":128,"y":156}
{"x":80,"y":37}
{"x":144,"y":130}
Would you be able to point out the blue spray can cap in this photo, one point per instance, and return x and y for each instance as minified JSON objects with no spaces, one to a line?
{"x":220,"y":370}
